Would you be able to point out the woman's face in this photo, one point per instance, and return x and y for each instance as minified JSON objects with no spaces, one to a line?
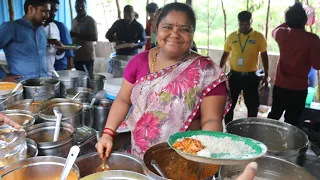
{"x":175,"y":33}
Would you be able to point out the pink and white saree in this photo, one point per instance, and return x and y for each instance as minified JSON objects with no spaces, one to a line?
{"x":166,"y":102}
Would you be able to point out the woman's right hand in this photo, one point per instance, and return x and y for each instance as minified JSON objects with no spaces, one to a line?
{"x":104,"y":145}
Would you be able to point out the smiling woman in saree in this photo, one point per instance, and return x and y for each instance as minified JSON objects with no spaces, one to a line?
{"x":170,"y":88}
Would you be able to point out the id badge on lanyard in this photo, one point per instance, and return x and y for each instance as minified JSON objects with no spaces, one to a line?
{"x":240,"y":59}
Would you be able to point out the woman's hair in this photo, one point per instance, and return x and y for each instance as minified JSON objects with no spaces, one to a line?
{"x":181,"y":7}
{"x":34,"y":3}
{"x":296,"y":16}
{"x":152,"y":7}
{"x":244,"y":16}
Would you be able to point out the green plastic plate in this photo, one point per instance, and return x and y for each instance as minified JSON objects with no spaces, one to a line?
{"x":222,"y":159}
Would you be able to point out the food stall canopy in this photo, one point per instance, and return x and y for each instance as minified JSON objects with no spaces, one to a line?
{"x":63,"y":15}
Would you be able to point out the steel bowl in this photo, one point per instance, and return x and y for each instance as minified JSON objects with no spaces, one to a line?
{"x":43,"y":134}
{"x":282,"y":139}
{"x":38,"y":168}
{"x":117,"y":161}
{"x":270,"y":168}
{"x":71,"y":111}
{"x":84,"y":96}
{"x":6,"y":97}
{"x":19,"y":116}
{"x":26,"y":104}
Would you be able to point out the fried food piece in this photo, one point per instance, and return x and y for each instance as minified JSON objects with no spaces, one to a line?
{"x":189,"y":145}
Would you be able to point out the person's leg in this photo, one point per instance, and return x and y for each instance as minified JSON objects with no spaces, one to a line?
{"x":278,"y":103}
{"x":251,"y":95}
{"x":79,"y":65}
{"x":296,"y":105}
{"x":89,"y":65}
{"x":235,"y":88}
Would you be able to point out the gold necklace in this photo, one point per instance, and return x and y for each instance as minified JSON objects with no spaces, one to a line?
{"x":154,"y":61}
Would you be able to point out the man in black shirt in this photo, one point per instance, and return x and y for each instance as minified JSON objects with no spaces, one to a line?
{"x":128,"y":34}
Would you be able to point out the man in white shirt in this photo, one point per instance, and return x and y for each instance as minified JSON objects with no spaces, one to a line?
{"x":53,"y":36}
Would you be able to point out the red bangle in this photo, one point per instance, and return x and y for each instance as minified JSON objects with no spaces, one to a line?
{"x":108,"y":133}
{"x":113,"y":132}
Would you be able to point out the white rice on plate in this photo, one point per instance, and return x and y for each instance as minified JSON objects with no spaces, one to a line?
{"x":225,"y":146}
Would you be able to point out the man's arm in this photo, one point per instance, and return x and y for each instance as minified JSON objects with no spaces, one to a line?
{"x":142,"y":38}
{"x":224,"y":59}
{"x":66,"y":39}
{"x":5,"y":34}
{"x":226,"y":53}
{"x":92,"y":36}
{"x":111,"y":32}
{"x":264,"y":57}
{"x":265,"y":62}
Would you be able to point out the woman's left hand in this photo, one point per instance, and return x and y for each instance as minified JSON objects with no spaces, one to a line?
{"x":4,"y":119}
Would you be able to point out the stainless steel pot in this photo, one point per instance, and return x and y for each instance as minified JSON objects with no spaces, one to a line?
{"x":117,"y":161}
{"x":43,"y":133}
{"x":97,"y":82}
{"x":175,"y":166}
{"x":71,"y":79}
{"x":119,"y":62}
{"x":101,"y":112}
{"x":116,"y":174}
{"x":269,"y":168}
{"x":84,"y":96}
{"x":19,"y":116}
{"x":87,"y":115}
{"x":71,"y":111}
{"x":26,"y":104}
{"x":283,"y":140}
{"x":6,"y":97}
{"x":41,"y":88}
{"x":38,"y":168}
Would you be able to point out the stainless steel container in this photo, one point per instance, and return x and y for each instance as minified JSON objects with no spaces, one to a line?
{"x":71,"y":79}
{"x":41,"y":89}
{"x":97,"y":82}
{"x":87,"y":115}
{"x":71,"y":111}
{"x":43,"y":133}
{"x":86,"y":138}
{"x":6,"y":97}
{"x":26,"y":104}
{"x":38,"y":168}
{"x":32,"y":148}
{"x":117,"y":161}
{"x":101,"y":112}
{"x":19,"y":116}
{"x":119,"y":62}
{"x":283,"y":140}
{"x":84,"y":96}
{"x":269,"y":168}
{"x":175,"y":166}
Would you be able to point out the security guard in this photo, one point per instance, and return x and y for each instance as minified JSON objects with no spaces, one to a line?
{"x":244,"y":46}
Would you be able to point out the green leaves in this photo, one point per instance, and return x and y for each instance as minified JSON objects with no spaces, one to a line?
{"x":165,"y":97}
{"x":160,"y":115}
{"x":190,"y":97}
